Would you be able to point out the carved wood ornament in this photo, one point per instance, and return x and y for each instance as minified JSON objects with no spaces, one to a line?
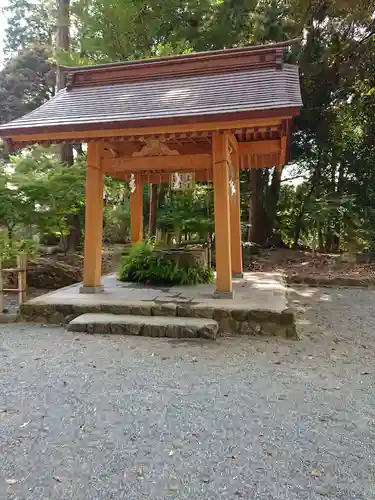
{"x":155,"y":147}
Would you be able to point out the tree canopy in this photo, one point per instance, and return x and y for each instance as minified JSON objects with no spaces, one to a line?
{"x":330,"y":197}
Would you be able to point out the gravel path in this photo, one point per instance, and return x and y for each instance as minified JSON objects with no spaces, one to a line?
{"x":130,"y":418}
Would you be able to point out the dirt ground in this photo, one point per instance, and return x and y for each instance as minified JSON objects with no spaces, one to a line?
{"x":313,"y":269}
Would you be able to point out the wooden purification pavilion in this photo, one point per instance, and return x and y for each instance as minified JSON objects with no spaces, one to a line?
{"x":205,"y":114}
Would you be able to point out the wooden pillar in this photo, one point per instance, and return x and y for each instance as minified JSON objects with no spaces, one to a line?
{"x":235,"y":216}
{"x":92,"y":265}
{"x":220,"y":157}
{"x":136,"y":211}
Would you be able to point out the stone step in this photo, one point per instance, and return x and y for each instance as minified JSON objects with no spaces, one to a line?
{"x":151,"y":326}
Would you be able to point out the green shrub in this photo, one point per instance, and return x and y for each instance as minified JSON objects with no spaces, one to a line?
{"x":9,"y":249}
{"x":141,"y":265}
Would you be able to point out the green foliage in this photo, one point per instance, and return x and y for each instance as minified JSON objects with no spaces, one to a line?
{"x":26,"y":82}
{"x":116,"y":228}
{"x":51,"y":190}
{"x":187,"y":212}
{"x":333,"y":138}
{"x":116,"y":225}
{"x":36,"y":191}
{"x":141,"y":265}
{"x":30,"y":24}
{"x":10,"y":249}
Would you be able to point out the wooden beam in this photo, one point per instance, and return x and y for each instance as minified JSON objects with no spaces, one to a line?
{"x":220,"y":157}
{"x":127,"y":148}
{"x":140,"y":131}
{"x":259,"y":147}
{"x":164,"y":178}
{"x":136,"y":211}
{"x":283,"y":152}
{"x":235,"y":219}
{"x":92,"y":263}
{"x":168,"y":163}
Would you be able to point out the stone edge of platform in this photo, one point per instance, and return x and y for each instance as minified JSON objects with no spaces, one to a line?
{"x":232,"y":321}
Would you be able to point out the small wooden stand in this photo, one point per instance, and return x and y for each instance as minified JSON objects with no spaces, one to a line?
{"x":22,"y":282}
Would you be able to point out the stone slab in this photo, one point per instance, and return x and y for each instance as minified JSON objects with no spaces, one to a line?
{"x":223,"y":295}
{"x":91,"y":289}
{"x":8,"y":318}
{"x":260,"y":305}
{"x":255,"y":291}
{"x":152,"y":326}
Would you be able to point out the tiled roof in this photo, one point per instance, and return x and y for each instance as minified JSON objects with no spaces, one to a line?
{"x":203,"y":95}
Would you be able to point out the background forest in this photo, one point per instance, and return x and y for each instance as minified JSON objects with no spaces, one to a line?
{"x":324,"y":199}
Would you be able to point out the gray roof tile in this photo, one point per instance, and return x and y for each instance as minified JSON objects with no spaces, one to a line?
{"x":260,"y":89}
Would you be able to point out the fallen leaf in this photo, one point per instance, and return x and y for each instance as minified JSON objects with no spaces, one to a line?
{"x":11,"y":411}
{"x":316,"y":473}
{"x":173,"y":483}
{"x":140,"y":472}
{"x":323,"y":491}
{"x":11,"y":481}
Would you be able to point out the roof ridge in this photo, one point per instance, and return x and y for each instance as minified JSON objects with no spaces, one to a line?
{"x":201,"y":63}
{"x":178,"y":57}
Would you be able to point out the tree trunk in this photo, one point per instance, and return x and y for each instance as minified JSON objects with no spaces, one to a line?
{"x":257,"y":216}
{"x":320,"y":238}
{"x":298,"y":225}
{"x":272,"y":201}
{"x":63,"y":44}
{"x":153,"y":193}
{"x":339,"y":191}
{"x":65,"y":151}
{"x":62,"y":37}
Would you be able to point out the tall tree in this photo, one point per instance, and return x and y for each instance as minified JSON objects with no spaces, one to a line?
{"x":29,"y":24}
{"x":26,"y":81}
{"x":65,"y":151}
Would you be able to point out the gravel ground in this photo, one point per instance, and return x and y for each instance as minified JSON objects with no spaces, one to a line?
{"x":105,"y":418}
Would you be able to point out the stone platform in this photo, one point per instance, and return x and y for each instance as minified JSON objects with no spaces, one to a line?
{"x":148,"y":326}
{"x":259,"y":307}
